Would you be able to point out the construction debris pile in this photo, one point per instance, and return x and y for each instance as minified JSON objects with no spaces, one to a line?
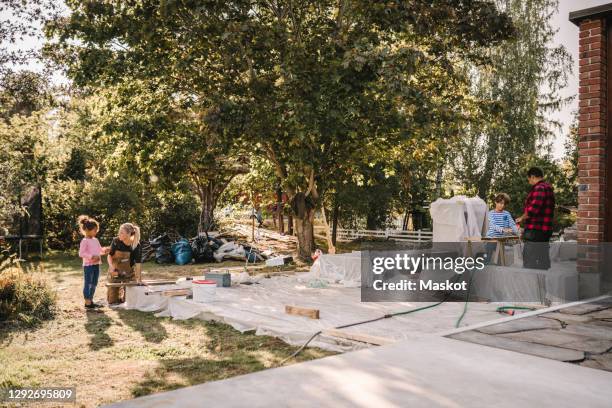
{"x":171,"y":248}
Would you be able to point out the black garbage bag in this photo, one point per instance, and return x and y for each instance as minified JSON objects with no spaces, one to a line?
{"x":202,"y":250}
{"x":163,"y":249}
{"x":164,"y":255}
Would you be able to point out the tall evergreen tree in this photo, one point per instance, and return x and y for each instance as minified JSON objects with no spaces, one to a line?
{"x":520,"y":87}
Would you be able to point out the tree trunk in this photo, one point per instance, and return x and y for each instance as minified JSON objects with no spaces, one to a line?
{"x":207,"y":219}
{"x":208,"y":201}
{"x":279,"y":210}
{"x":313,"y":243}
{"x":439,"y":175}
{"x":335,"y":223}
{"x":371,"y":222}
{"x":304,"y":233}
{"x":304,"y":213}
{"x":281,"y":219}
{"x":331,"y":247}
{"x":484,"y":184}
{"x":290,"y":224}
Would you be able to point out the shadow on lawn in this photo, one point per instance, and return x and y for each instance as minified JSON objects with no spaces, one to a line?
{"x":231,"y":353}
{"x":97,"y":325}
{"x":146,"y":323}
{"x":191,"y":371}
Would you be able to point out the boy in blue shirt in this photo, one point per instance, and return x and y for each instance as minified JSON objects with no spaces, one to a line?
{"x":501,"y":222}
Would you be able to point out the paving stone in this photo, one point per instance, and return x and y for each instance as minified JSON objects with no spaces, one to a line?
{"x":588,"y":307}
{"x":602,"y":314}
{"x":524,"y":324}
{"x":601,"y":362}
{"x":568,"y":318}
{"x":534,"y":349}
{"x":560,"y":338}
{"x":595,"y":331}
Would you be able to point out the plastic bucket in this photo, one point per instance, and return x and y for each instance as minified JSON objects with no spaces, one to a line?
{"x":204,"y":290}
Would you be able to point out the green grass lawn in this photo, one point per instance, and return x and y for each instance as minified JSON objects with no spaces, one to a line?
{"x":120,"y":354}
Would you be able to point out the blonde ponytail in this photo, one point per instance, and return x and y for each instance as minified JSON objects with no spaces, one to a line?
{"x":134,"y":231}
{"x":136,"y":241}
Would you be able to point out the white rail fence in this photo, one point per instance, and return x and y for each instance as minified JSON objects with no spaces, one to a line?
{"x":395,"y":235}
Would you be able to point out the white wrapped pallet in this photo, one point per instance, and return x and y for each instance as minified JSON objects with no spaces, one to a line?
{"x":458,"y":218}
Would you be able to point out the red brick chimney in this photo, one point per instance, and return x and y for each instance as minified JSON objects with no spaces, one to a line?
{"x":594,"y":142}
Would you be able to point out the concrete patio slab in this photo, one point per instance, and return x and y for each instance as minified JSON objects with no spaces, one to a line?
{"x":427,"y":371}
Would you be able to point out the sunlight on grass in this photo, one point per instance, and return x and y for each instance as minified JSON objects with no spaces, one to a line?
{"x":150,"y":354}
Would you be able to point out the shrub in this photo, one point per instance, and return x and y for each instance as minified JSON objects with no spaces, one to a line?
{"x":113,"y":201}
{"x":25,"y":298}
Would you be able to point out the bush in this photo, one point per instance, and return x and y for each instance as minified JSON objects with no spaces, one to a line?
{"x":25,"y":298}
{"x":171,"y":211}
{"x":62,"y":204}
{"x":112,"y":201}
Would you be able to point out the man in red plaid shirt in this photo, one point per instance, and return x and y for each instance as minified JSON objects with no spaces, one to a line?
{"x":537,"y":221}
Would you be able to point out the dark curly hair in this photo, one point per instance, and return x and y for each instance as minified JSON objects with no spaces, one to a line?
{"x":87,"y":223}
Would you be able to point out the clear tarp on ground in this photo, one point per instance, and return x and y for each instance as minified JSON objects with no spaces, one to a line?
{"x":261,"y":307}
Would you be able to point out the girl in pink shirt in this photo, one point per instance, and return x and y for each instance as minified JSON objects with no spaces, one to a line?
{"x":90,"y":250}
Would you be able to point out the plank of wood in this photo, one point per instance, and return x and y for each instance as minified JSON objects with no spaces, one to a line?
{"x":159,"y":282}
{"x":363,"y":338}
{"x":176,"y":292}
{"x":519,"y":325}
{"x":302,"y":311}
{"x":534,"y":349}
{"x":560,"y":338}
{"x":144,"y":283}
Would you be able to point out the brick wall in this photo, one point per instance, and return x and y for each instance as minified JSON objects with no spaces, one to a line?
{"x":592,"y":132}
{"x":592,"y":144}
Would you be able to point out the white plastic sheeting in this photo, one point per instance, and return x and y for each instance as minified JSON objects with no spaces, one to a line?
{"x":344,"y":269}
{"x":232,"y":250}
{"x":261,"y":307}
{"x":458,"y":218}
{"x":135,"y":298}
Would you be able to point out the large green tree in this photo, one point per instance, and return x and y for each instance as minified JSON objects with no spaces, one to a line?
{"x":521,"y":87}
{"x":168,"y":138}
{"x":310,"y":85}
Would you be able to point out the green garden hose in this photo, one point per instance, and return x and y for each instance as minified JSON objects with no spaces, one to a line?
{"x":503,"y":308}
